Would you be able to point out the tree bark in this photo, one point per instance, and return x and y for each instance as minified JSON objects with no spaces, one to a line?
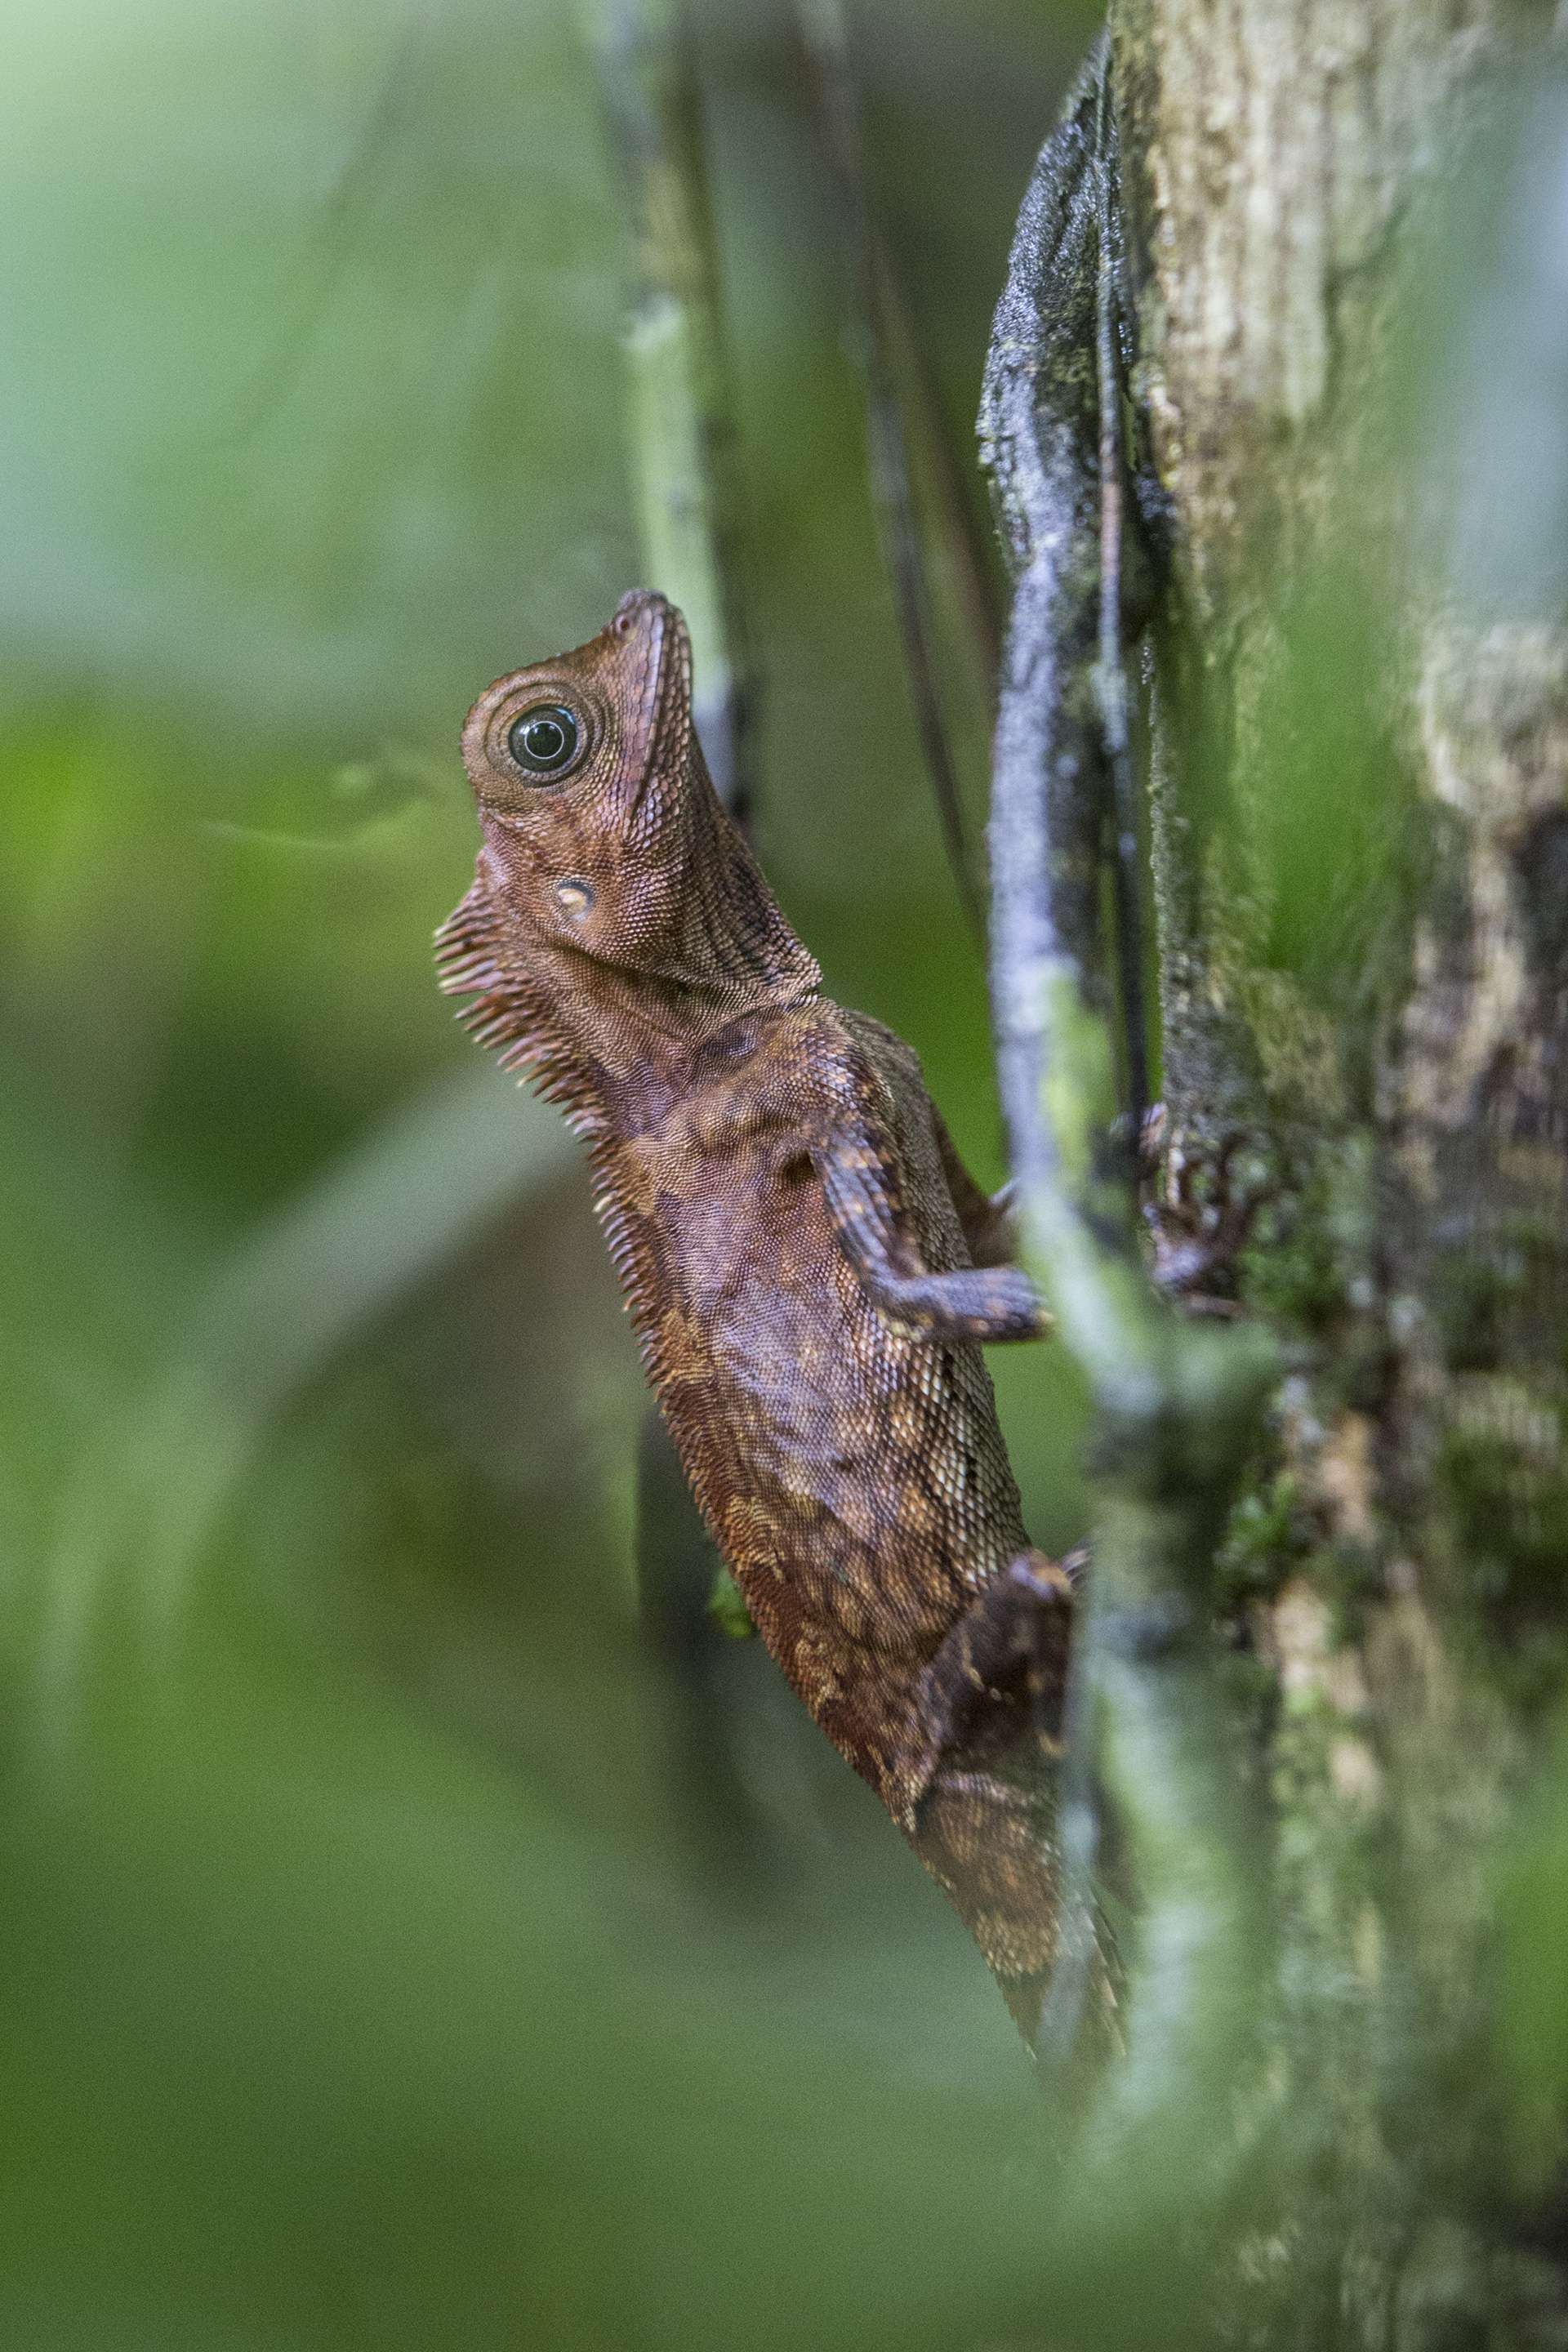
{"x":1398,"y":1556}
{"x":1348,"y":286}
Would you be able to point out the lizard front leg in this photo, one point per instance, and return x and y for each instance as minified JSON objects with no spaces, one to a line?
{"x":963,"y":1303}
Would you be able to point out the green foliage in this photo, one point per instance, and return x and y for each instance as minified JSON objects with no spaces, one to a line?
{"x":727,"y":1607}
{"x":1503,"y":1487}
{"x":1265,"y":1536}
{"x":1534,"y":1887}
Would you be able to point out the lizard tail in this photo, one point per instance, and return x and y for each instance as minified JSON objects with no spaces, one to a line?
{"x":985,"y":1825}
{"x":987,"y":1842}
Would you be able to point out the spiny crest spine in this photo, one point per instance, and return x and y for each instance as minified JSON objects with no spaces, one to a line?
{"x":500,"y":1016}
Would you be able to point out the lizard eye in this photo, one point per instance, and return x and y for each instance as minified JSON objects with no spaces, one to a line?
{"x":544,"y":739}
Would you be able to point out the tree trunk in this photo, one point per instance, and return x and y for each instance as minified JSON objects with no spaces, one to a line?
{"x":1361,"y":860}
{"x":1347,"y":254}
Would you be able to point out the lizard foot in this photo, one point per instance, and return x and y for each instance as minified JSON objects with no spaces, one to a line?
{"x":1201,"y":1220}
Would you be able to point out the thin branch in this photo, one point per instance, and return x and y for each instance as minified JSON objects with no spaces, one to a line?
{"x":952,"y":521}
{"x":1174,"y":1405}
{"x":887,"y":348}
{"x":681,"y":417}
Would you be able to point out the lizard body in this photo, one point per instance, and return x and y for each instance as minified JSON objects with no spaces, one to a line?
{"x":808,"y":1266}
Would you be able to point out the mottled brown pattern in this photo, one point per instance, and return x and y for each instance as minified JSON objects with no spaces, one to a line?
{"x":808,"y":1264}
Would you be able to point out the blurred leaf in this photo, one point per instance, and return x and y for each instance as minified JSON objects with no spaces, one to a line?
{"x":367,"y":1980}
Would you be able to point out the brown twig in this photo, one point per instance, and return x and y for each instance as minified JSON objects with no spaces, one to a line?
{"x":896,"y":383}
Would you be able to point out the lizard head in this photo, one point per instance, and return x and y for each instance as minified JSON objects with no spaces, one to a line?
{"x":603,"y":834}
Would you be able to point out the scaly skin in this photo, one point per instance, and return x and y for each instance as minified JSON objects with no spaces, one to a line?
{"x":807,"y":1263}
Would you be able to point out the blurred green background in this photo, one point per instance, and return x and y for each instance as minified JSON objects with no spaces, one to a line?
{"x":391,"y":1954}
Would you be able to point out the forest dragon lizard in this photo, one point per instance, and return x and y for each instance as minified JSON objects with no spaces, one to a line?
{"x":809,"y":1266}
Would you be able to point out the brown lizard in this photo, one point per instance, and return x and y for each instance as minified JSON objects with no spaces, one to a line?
{"x":809,"y":1266}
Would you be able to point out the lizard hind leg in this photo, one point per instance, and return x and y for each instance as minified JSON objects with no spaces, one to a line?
{"x":992,"y":1700}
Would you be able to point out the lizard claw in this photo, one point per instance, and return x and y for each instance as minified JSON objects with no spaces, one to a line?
{"x":1198,"y":1238}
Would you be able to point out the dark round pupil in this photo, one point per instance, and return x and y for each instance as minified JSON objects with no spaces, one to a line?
{"x":544,"y":739}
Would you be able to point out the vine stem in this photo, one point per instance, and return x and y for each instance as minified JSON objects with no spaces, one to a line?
{"x":682,"y":423}
{"x":1174,"y":1406}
